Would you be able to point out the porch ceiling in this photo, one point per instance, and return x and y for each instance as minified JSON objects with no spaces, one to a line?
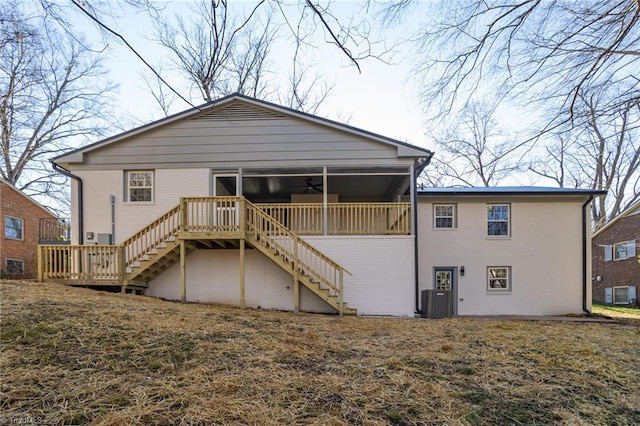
{"x":349,"y":188}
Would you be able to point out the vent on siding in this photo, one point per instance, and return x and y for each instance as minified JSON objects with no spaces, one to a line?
{"x":238,"y":113}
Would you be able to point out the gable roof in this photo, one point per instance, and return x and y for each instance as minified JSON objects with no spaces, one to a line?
{"x":31,"y":200}
{"x":633,"y":209}
{"x":210,"y":108}
{"x":508,"y":190}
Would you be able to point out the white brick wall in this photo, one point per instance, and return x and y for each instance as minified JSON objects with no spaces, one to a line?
{"x":170,"y":185}
{"x":382,"y":281}
{"x":544,"y":252}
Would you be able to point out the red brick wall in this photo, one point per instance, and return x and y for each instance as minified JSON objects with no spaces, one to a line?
{"x":15,"y":204}
{"x":616,"y":272}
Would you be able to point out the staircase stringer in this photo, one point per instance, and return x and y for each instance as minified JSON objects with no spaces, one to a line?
{"x":314,"y":269}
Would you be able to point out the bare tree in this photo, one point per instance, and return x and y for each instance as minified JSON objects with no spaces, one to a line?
{"x":601,"y":151}
{"x":52,"y":93}
{"x":548,"y":51}
{"x":217,"y":52}
{"x":475,"y":150}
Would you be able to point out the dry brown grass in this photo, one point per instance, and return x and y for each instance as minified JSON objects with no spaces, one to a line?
{"x":76,"y":356}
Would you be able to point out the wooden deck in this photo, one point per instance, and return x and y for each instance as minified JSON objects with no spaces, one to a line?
{"x":227,"y":222}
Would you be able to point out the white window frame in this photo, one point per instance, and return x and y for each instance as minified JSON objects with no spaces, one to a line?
{"x":622,"y":245}
{"x":6,"y":222}
{"x":508,"y":220}
{"x":128,"y":174}
{"x":613,"y":296}
{"x":453,"y":217}
{"x":507,"y":289}
{"x":6,"y":266}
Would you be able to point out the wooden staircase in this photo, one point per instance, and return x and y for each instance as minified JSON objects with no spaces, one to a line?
{"x":155,"y":248}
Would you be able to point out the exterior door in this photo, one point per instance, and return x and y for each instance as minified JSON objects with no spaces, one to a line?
{"x":225,"y":213}
{"x":444,"y":279}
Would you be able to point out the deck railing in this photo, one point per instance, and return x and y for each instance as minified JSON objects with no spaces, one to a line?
{"x":275,"y":226}
{"x":343,"y":218}
{"x":303,"y":257}
{"x":88,"y":263}
{"x":211,"y":214}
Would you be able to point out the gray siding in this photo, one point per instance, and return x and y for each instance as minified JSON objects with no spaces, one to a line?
{"x":240,"y":135}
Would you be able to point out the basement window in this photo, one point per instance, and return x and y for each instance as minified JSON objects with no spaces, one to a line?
{"x":14,"y":267}
{"x":499,"y":279}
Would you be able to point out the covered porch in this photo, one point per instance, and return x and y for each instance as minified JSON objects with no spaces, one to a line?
{"x":363,"y":200}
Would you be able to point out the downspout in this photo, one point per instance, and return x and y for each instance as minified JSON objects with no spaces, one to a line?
{"x":584,"y":255}
{"x":67,"y":173}
{"x":427,"y":160}
{"x":112,"y":200}
{"x":415,"y":243}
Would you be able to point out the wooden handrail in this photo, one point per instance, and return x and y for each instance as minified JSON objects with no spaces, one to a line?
{"x":303,"y":257}
{"x":151,"y":236}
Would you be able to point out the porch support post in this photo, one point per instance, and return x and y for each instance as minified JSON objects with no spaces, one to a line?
{"x":296,"y":278}
{"x":325,"y":200}
{"x":412,"y":201}
{"x":183,"y":271}
{"x":242,"y":290}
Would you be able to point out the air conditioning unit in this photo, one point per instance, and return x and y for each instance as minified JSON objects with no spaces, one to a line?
{"x":436,"y":303}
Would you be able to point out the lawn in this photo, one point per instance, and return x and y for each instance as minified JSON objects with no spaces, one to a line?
{"x":616,"y":311}
{"x":77,"y":356}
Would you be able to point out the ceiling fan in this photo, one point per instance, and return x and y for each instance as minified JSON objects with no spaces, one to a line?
{"x":310,"y":186}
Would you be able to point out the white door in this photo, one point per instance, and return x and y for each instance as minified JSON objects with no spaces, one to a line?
{"x":225,"y":213}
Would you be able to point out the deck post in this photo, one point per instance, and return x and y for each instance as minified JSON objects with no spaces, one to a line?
{"x":122,"y":263}
{"x":40,"y":263}
{"x":183,"y":214}
{"x":183,"y":271}
{"x":242,"y":290}
{"x":296,"y":278}
{"x":240,"y":204}
{"x":341,"y":295}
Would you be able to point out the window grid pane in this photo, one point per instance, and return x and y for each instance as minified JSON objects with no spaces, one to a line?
{"x":498,"y":220}
{"x":498,"y":278}
{"x":140,"y":186}
{"x":13,"y":227}
{"x":620,"y":251}
{"x":444,"y":216}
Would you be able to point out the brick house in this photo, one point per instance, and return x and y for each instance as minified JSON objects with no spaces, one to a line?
{"x":20,"y":221}
{"x":616,"y":271}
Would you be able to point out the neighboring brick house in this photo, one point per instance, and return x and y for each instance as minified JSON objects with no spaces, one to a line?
{"x":20,"y":226}
{"x":616,"y":271}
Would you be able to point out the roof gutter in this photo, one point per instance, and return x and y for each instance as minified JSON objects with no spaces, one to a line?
{"x":584,"y":256}
{"x":67,"y":173}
